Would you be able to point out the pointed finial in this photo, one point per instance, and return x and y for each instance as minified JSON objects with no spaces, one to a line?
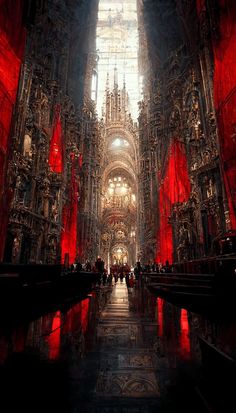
{"x":124,"y":82}
{"x":115,"y":77}
{"x":107,"y":82}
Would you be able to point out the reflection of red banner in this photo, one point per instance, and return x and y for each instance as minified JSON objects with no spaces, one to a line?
{"x":225,"y":97}
{"x":84,"y":314}
{"x":184,"y":340}
{"x":69,"y":219}
{"x":77,"y":317}
{"x":160,"y":303}
{"x":54,"y":339}
{"x":12,"y":43}
{"x":174,"y":188}
{"x":56,"y":147}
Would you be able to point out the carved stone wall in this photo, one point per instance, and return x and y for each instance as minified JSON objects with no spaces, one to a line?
{"x":176,"y":63}
{"x":178,"y":104}
{"x":54,"y":75}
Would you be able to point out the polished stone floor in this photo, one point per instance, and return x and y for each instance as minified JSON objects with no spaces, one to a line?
{"x":116,"y":351}
{"x":130,"y":372}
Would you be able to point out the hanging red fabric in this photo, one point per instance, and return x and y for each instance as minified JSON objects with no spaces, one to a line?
{"x":56,"y":145}
{"x":12,"y":45}
{"x":225,"y":97}
{"x":80,"y":160}
{"x":11,"y":12}
{"x":175,"y":187}
{"x":69,"y":219}
{"x":201,"y":6}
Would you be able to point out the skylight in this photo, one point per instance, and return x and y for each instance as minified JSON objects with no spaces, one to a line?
{"x":117,"y":46}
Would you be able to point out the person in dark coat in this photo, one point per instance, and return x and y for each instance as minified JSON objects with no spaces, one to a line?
{"x":99,"y":264}
{"x":88,"y":266}
{"x":78,"y":266}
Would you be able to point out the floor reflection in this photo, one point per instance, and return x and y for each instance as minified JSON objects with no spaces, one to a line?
{"x":116,"y":342}
{"x":184,"y":338}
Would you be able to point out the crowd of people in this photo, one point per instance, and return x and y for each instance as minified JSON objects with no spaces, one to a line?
{"x":122,"y":272}
{"x":158,"y":267}
{"x":98,"y":266}
{"x":117,"y":272}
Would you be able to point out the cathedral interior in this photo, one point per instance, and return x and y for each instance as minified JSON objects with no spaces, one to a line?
{"x":118,"y":154}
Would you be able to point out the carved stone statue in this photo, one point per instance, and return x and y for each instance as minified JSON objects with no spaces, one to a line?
{"x":210,"y":188}
{"x":27,"y":146}
{"x":16,"y":250}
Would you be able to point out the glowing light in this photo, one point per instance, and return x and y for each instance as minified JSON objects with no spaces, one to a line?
{"x":116,"y":142}
{"x":123,"y":190}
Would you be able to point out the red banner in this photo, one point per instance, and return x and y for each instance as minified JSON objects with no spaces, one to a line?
{"x":225,"y":97}
{"x":175,"y":187}
{"x":12,"y":44}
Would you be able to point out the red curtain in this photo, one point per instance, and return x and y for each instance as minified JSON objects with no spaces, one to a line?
{"x":56,"y":146}
{"x":69,"y":219}
{"x":12,"y":44}
{"x":175,"y":187}
{"x":225,"y":97}
{"x":80,"y":160}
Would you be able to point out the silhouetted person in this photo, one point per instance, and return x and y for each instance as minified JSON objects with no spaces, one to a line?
{"x":131,"y":281}
{"x":121,"y":276}
{"x":167,"y":267}
{"x":137,"y":270}
{"x":147,"y":268}
{"x":78,"y":266}
{"x":104,"y":277}
{"x":88,"y":266}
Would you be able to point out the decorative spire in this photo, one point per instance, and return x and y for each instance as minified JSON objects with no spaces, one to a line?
{"x":115,"y":77}
{"x":124,"y":81}
{"x":107,"y":82}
